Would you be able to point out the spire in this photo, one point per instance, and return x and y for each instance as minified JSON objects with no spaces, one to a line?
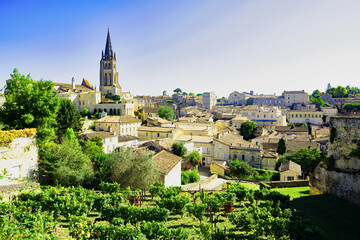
{"x":108,"y":48}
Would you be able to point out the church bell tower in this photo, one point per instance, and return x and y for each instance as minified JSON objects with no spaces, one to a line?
{"x":109,"y":82}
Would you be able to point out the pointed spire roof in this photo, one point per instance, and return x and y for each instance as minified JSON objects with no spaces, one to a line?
{"x":108,"y":47}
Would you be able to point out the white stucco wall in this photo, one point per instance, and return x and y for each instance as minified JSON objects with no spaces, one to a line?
{"x":173,"y":178}
{"x":19,"y":159}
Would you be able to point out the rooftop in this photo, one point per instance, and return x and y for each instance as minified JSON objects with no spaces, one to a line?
{"x":290,"y":166}
{"x":166,"y":161}
{"x":118,"y":119}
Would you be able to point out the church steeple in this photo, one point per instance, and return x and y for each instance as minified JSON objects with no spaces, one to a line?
{"x":108,"y":47}
{"x":108,"y":74}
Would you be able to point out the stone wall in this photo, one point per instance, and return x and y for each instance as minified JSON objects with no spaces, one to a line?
{"x":18,"y":154}
{"x":340,"y":174}
{"x":203,"y":184}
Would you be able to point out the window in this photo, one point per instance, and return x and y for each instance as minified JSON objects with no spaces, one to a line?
{"x":218,"y":155}
{"x":224,"y":155}
{"x":220,"y":146}
{"x":290,"y":178}
{"x":252,"y":158}
{"x":167,"y":135}
{"x":158,"y":134}
{"x":147,"y":134}
{"x":208,"y":151}
{"x":243,"y":157}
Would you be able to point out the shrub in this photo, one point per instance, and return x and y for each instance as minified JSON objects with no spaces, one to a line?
{"x":109,"y":187}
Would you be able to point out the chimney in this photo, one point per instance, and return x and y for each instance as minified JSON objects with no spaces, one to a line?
{"x":73,"y":83}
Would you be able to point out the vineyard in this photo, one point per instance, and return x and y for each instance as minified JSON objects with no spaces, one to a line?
{"x":165,"y":213}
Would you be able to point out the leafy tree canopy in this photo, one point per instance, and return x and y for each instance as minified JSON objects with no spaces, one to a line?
{"x":177,"y":90}
{"x":194,"y":157}
{"x":247,"y":129}
{"x":30,"y":104}
{"x":65,"y":163}
{"x":166,"y":112}
{"x":179,"y":149}
{"x":67,"y":117}
{"x":136,"y":170}
{"x":307,"y":158}
{"x":249,"y":101}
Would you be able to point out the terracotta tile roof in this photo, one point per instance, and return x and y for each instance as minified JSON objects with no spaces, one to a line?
{"x":293,"y":145}
{"x":118,"y":119}
{"x":195,"y":138}
{"x":291,"y":129}
{"x":290,"y":166}
{"x":101,"y":134}
{"x":166,"y":161}
{"x":156,"y":129}
{"x":126,"y":138}
{"x":269,"y":145}
{"x":234,"y":140}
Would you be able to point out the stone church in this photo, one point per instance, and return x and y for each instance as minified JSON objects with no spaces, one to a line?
{"x":109,"y":80}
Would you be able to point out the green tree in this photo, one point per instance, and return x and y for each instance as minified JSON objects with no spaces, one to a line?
{"x":352,"y":107}
{"x":115,"y":97}
{"x":307,"y":158}
{"x":179,"y":149}
{"x":192,"y":94}
{"x":316,"y":98}
{"x":340,"y":92}
{"x":281,"y":149}
{"x":195,"y":158}
{"x":135,"y":170}
{"x":85,"y":112}
{"x":166,"y":112}
{"x":65,"y":163}
{"x":249,"y":101}
{"x":247,"y":129}
{"x":30,"y":104}
{"x":67,"y":117}
{"x":177,"y":90}
{"x":184,"y":93}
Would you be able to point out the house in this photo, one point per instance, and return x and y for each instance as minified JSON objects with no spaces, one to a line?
{"x":205,"y":143}
{"x":219,"y":168}
{"x":313,"y":116}
{"x":170,"y":168}
{"x":228,"y":146}
{"x":269,"y":159}
{"x":293,"y":97}
{"x":269,"y":117}
{"x":158,"y":122}
{"x":209,"y":100}
{"x":199,"y":129}
{"x":236,"y":98}
{"x":238,"y":120}
{"x":150,"y":111}
{"x":122,"y":125}
{"x":289,"y":171}
{"x":150,"y":133}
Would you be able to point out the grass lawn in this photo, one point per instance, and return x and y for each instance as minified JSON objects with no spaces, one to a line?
{"x":294,"y":192}
{"x":338,"y":218}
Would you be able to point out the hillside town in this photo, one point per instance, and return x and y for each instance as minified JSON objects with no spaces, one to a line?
{"x":84,"y":161}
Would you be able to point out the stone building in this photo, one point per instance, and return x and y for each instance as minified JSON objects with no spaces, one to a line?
{"x":121,"y":125}
{"x":109,"y":82}
{"x":209,"y":100}
{"x":293,"y":97}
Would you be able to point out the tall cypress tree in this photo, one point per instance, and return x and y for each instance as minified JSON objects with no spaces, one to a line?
{"x":281,"y":146}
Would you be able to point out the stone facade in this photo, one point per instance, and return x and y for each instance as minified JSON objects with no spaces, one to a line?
{"x":18,"y":157}
{"x":341,"y":175}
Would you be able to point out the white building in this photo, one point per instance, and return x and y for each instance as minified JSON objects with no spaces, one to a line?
{"x":122,"y":125}
{"x":269,"y":117}
{"x":169,"y":167}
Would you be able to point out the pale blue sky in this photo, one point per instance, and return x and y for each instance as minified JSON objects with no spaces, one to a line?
{"x":197,"y":45}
